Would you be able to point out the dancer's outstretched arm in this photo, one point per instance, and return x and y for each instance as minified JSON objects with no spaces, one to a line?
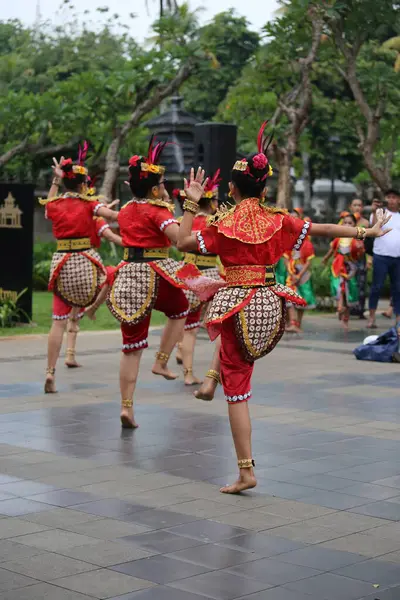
{"x":194,"y":190}
{"x":333,"y":231}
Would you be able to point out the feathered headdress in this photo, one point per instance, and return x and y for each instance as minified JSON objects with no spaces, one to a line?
{"x":211,"y":187}
{"x":260,"y":160}
{"x":69,"y":169}
{"x":150,"y":161}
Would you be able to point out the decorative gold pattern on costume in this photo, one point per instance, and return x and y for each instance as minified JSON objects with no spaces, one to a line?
{"x":225,"y":302}
{"x":80,"y":278}
{"x":44,"y":201}
{"x":133,"y":293}
{"x":73,"y":244}
{"x":10,"y":214}
{"x":250,"y":222}
{"x":169,"y":267}
{"x":250,"y":275}
{"x":162,"y":203}
{"x":260,"y":324}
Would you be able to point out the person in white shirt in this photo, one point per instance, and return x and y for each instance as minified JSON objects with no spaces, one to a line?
{"x":386,"y":259}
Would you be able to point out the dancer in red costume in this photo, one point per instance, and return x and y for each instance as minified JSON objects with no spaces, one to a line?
{"x":208,"y":205}
{"x":77,"y":272}
{"x":146,"y":278}
{"x":249,"y":313}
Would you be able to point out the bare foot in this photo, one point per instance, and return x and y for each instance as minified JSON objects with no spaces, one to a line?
{"x":190,"y":379}
{"x":72,"y":364}
{"x":162,"y":369}
{"x":293,"y":329}
{"x":90,"y":312}
{"x":50,"y":384}
{"x":127,"y":419}
{"x":372,"y":325}
{"x":388,"y":314}
{"x":207,"y":390}
{"x":246,"y":481}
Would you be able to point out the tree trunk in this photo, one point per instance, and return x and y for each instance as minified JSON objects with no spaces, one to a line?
{"x":112,"y":167}
{"x":284,"y":193}
{"x":306,"y":181}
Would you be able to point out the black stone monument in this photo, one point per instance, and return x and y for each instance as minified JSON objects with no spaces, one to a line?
{"x":16,"y":244}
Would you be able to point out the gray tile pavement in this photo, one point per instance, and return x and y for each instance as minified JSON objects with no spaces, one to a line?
{"x":89,"y":512}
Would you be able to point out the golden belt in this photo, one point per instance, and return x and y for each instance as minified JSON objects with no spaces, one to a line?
{"x":201,"y":261}
{"x":250,"y":276}
{"x":134,"y":254}
{"x":73,"y":245}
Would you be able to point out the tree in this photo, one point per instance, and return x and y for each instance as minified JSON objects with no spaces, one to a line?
{"x":72,"y":83}
{"x":358,"y":28}
{"x":229,"y":44}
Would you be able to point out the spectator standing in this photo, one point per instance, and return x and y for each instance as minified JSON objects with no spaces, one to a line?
{"x":357,"y":209}
{"x":386,"y":257}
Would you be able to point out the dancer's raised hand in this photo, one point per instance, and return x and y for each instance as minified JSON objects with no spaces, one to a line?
{"x":381,"y":219}
{"x":56,"y":166}
{"x":194,"y":189}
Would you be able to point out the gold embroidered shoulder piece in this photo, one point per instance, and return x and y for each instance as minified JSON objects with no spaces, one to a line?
{"x":250,"y":222}
{"x":163,"y":204}
{"x":44,"y":201}
{"x":223,"y":211}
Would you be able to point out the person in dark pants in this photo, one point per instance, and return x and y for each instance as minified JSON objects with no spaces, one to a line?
{"x":386,"y":258}
{"x":357,"y":209}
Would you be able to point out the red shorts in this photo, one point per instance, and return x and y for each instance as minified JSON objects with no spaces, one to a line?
{"x":171,"y":301}
{"x":193,"y":320}
{"x":62,"y":310}
{"x":236,"y":371}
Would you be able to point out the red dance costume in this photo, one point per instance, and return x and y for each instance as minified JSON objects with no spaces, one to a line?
{"x":208,"y":266}
{"x":77,"y":272}
{"x":249,"y":313}
{"x":146,"y":278}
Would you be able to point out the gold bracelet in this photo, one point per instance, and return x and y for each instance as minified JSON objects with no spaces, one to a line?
{"x":191,"y":207}
{"x":56,"y":181}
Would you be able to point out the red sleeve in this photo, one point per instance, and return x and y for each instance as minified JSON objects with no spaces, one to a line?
{"x":100,"y":225}
{"x":162,"y":217}
{"x":95,"y":205}
{"x":335,"y":243}
{"x":295,"y":231}
{"x":207,"y":240}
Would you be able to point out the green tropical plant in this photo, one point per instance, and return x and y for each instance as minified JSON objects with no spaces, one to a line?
{"x":10,"y":312}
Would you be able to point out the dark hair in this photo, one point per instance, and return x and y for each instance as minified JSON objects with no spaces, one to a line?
{"x":351,"y":216}
{"x":392,"y":191}
{"x":204,"y":203}
{"x":140,"y":181}
{"x":72,"y":180}
{"x":252,"y":183}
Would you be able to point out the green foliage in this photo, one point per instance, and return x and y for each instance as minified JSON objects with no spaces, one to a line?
{"x":10,"y":312}
{"x":229,"y":45}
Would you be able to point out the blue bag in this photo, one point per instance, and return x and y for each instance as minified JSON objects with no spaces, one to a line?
{"x":382,"y":349}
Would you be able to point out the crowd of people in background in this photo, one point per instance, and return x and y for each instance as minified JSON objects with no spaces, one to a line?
{"x":352,"y":259}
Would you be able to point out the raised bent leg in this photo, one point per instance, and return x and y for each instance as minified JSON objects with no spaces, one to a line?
{"x":90,"y":312}
{"x":212,"y":378}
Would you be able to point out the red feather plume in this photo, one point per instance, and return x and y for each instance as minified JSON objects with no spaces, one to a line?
{"x":262,"y":142}
{"x":154,"y":151}
{"x":82,"y":153}
{"x":213,"y":181}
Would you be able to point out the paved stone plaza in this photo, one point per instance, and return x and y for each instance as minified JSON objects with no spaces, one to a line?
{"x":89,"y":512}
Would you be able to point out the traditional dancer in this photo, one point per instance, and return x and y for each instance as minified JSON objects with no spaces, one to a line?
{"x":249,"y":313}
{"x":77,"y":272}
{"x":146,"y":278}
{"x":298,"y":263}
{"x":208,"y":266}
{"x":347,"y":254}
{"x":101,"y":229}
{"x":357,"y":208}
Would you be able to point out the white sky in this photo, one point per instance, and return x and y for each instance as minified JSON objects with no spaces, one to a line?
{"x":258,"y":12}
